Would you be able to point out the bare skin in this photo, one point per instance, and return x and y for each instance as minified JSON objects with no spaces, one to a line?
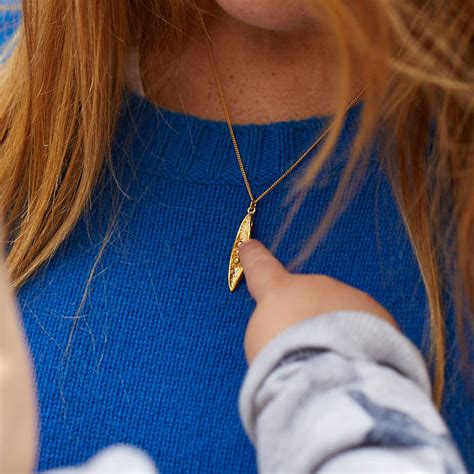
{"x":267,"y":75}
{"x":18,"y":406}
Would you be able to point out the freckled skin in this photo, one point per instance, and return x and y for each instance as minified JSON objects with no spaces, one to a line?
{"x":275,"y":63}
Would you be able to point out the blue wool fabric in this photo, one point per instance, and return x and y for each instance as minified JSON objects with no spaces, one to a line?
{"x":153,"y":354}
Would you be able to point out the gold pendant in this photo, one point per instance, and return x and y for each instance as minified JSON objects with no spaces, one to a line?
{"x":236,"y":271}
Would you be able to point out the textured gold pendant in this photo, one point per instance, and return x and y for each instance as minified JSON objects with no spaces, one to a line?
{"x":236,"y":271}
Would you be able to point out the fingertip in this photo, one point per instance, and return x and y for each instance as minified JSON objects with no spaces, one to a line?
{"x":261,"y":268}
{"x":245,"y":245}
{"x":251,"y":250}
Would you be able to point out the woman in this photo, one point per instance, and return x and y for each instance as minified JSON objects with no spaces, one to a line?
{"x":121,"y":264}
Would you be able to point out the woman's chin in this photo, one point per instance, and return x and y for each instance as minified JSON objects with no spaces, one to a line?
{"x":276,"y":15}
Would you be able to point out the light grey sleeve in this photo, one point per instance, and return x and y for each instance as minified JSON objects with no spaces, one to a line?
{"x":114,"y":459}
{"x":344,"y":392}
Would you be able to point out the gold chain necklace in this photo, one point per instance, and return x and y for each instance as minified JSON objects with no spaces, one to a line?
{"x":236,"y":272}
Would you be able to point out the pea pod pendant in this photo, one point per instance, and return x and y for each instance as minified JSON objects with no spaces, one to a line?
{"x":236,"y":271}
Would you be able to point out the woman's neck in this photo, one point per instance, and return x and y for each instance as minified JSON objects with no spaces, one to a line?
{"x":266,"y":76}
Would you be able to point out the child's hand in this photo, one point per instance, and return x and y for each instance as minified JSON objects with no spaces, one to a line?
{"x":284,"y":299}
{"x":18,"y":412}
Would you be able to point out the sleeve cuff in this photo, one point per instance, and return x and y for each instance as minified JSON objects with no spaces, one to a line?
{"x":352,"y":334}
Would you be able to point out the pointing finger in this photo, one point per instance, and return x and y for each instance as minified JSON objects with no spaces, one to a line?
{"x":262,"y":270}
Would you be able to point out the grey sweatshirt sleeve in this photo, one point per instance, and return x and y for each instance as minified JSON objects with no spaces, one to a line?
{"x":344,"y":392}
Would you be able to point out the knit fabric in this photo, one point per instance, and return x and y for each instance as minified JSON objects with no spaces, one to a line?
{"x":156,"y":355}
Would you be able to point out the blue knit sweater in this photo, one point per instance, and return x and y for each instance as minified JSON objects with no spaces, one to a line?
{"x":156,"y":356}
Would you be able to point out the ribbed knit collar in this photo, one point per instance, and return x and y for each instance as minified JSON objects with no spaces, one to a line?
{"x":181,"y":146}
